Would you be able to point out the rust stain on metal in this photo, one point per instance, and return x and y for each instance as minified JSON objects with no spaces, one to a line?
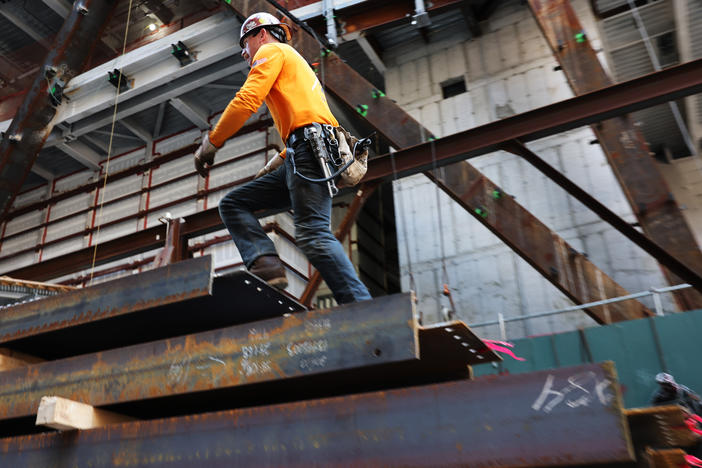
{"x":302,"y":344}
{"x":184,"y":280}
{"x":542,"y":248}
{"x":375,"y":429}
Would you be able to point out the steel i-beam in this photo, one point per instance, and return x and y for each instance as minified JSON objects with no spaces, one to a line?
{"x":134,"y":309}
{"x":33,"y":121}
{"x":540,"y":247}
{"x":566,"y":268}
{"x":639,"y":93}
{"x":383,"y":331}
{"x":562,"y":417}
{"x":653,"y":248}
{"x":174,"y":283}
{"x":626,"y":150}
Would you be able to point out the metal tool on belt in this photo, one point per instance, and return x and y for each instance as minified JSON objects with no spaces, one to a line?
{"x":314,"y":134}
{"x":325,"y":147}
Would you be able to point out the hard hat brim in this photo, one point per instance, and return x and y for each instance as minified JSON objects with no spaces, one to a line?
{"x":283,"y":26}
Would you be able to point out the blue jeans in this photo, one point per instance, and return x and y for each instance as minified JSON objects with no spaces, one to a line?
{"x":311,"y":205}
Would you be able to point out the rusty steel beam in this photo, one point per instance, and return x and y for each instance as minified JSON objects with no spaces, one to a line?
{"x":367,"y":15}
{"x":672,"y":83}
{"x":153,"y":305}
{"x":619,"y":99}
{"x":384,"y":13}
{"x":402,"y":131}
{"x":370,"y":333}
{"x":174,"y":283}
{"x":660,"y":426}
{"x":471,"y":143}
{"x":627,"y":152}
{"x":651,"y":247}
{"x":33,"y":120}
{"x":566,"y":268}
{"x":563,"y":417}
{"x":174,"y":249}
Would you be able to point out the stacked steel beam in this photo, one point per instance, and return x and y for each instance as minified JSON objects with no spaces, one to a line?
{"x":223,"y":371}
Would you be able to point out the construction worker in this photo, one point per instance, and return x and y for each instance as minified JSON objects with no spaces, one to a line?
{"x":670,"y":392}
{"x":295,"y":98}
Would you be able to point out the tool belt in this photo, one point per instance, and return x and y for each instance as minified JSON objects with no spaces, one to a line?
{"x":340,"y":154}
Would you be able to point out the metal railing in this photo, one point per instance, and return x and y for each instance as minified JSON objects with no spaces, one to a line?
{"x":655,"y":292}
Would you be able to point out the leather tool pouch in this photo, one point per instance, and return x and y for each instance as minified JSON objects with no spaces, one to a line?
{"x":353,"y":150}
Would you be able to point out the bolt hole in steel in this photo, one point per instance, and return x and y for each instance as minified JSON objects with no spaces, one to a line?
{"x":377,"y":352}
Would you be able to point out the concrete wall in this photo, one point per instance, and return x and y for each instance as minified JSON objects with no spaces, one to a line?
{"x":508,"y":70}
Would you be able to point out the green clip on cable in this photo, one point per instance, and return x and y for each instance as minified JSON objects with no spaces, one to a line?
{"x":496,"y":194}
{"x":580,"y":37}
{"x":362,"y":109}
{"x":482,"y":212}
{"x":376,"y":93}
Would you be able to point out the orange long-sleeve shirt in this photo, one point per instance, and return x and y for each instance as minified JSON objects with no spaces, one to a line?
{"x":294,"y":96}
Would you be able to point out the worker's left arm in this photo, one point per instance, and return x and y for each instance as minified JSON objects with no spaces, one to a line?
{"x":265,"y":70}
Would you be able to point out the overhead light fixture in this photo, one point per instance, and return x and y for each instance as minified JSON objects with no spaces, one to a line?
{"x":152,"y":27}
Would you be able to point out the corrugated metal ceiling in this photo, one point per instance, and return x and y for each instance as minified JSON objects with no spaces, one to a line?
{"x":442,"y":25}
{"x":629,"y":58}
{"x":695,"y":36}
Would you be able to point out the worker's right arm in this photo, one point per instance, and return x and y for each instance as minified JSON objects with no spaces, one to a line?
{"x":264,"y":71}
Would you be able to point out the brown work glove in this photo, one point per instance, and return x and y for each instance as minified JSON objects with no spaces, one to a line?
{"x":274,"y":163}
{"x":205,"y":156}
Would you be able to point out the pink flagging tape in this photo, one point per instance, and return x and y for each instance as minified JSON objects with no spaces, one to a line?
{"x":499,"y":346}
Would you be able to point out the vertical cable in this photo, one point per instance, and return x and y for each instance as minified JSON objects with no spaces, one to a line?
{"x":401,"y":204}
{"x":109,"y":146}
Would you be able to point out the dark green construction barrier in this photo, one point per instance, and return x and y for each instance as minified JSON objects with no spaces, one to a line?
{"x":640,"y":349}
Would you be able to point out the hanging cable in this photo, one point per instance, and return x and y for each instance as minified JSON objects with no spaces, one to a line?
{"x":657,"y":67}
{"x":445,"y":290}
{"x":109,"y":146}
{"x":412,"y":284}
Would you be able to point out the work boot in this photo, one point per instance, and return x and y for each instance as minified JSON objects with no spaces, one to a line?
{"x":271,"y":270}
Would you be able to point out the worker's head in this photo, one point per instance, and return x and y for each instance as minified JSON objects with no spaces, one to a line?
{"x":665,"y":379}
{"x":259,"y":29}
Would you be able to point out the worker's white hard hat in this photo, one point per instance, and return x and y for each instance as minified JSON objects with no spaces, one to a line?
{"x":665,"y":378}
{"x":261,"y":20}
